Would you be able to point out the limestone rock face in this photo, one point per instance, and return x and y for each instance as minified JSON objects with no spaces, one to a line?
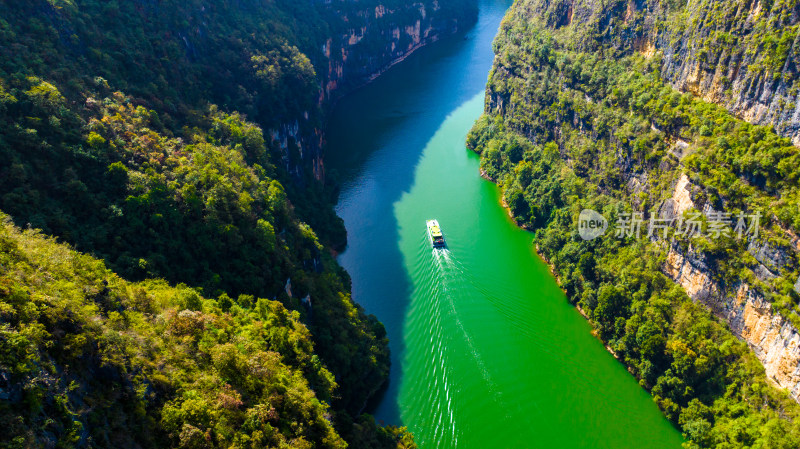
{"x":740,"y":54}
{"x":773,"y":339}
{"x":733,"y":70}
{"x":375,"y":38}
{"x":692,"y":274}
{"x":380,"y":36}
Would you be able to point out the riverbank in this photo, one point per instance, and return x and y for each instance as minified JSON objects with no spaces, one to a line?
{"x":486,"y":350}
{"x":488,"y":343}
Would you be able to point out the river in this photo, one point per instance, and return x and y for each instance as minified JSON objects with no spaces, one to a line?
{"x":486,"y":350}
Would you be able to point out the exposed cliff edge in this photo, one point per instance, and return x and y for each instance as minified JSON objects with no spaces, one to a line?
{"x":742,"y":54}
{"x":774,"y":339}
{"x":364,"y":43}
{"x":377,"y":37}
{"x":607,"y":106}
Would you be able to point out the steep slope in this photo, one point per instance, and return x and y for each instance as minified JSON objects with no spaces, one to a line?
{"x":741,"y":54}
{"x":90,"y":360}
{"x":275,"y":62}
{"x":183,"y":141}
{"x":582,"y":112}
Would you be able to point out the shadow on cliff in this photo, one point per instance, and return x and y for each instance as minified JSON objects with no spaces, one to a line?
{"x":376,"y":137}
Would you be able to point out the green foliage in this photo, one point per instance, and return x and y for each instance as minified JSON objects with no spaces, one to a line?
{"x":597,"y":128}
{"x":111,"y":140}
{"x":191,"y":196}
{"x":88,"y":359}
{"x":196,"y":211}
{"x":363,"y":433}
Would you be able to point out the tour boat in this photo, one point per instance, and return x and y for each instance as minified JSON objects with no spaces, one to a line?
{"x":435,"y":234}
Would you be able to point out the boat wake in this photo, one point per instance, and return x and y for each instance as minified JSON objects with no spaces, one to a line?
{"x":451,"y":272}
{"x":443,"y":283}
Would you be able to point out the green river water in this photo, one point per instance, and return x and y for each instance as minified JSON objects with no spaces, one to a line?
{"x":486,"y":350}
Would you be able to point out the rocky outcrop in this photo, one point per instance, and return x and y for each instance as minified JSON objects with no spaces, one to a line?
{"x":364,"y":44}
{"x":743,"y":54}
{"x":774,"y":340}
{"x":288,"y":139}
{"x":681,"y":200}
{"x":737,"y":63}
{"x":376,"y":37}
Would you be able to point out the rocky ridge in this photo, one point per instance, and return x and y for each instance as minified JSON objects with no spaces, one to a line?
{"x":742,"y":54}
{"x":773,"y":338}
{"x":374,"y":39}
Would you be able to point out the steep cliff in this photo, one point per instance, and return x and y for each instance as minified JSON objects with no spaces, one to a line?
{"x":369,"y":40}
{"x":585,"y":110}
{"x":751,"y":317}
{"x":741,"y":54}
{"x":182,"y":140}
{"x":363,"y":40}
{"x":773,"y":338}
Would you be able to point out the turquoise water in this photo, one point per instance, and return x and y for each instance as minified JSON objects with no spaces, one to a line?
{"x":486,"y":350}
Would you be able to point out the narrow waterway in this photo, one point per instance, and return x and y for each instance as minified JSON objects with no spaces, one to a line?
{"x":486,"y":351}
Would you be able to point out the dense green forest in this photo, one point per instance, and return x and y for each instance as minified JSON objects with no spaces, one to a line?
{"x":182,"y":141}
{"x":91,"y":360}
{"x":577,"y":119}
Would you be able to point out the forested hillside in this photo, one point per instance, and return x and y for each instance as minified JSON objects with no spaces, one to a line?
{"x":89,"y":359}
{"x":582,"y":112}
{"x":182,"y":140}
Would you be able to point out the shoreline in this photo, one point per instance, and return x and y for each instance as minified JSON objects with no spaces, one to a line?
{"x":555,"y":275}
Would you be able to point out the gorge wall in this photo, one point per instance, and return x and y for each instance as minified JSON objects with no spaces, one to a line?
{"x":369,"y":40}
{"x":729,"y":54}
{"x":363,"y":41}
{"x":655,"y":114}
{"x":774,"y":339}
{"x":182,"y":140}
{"x":741,"y":54}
